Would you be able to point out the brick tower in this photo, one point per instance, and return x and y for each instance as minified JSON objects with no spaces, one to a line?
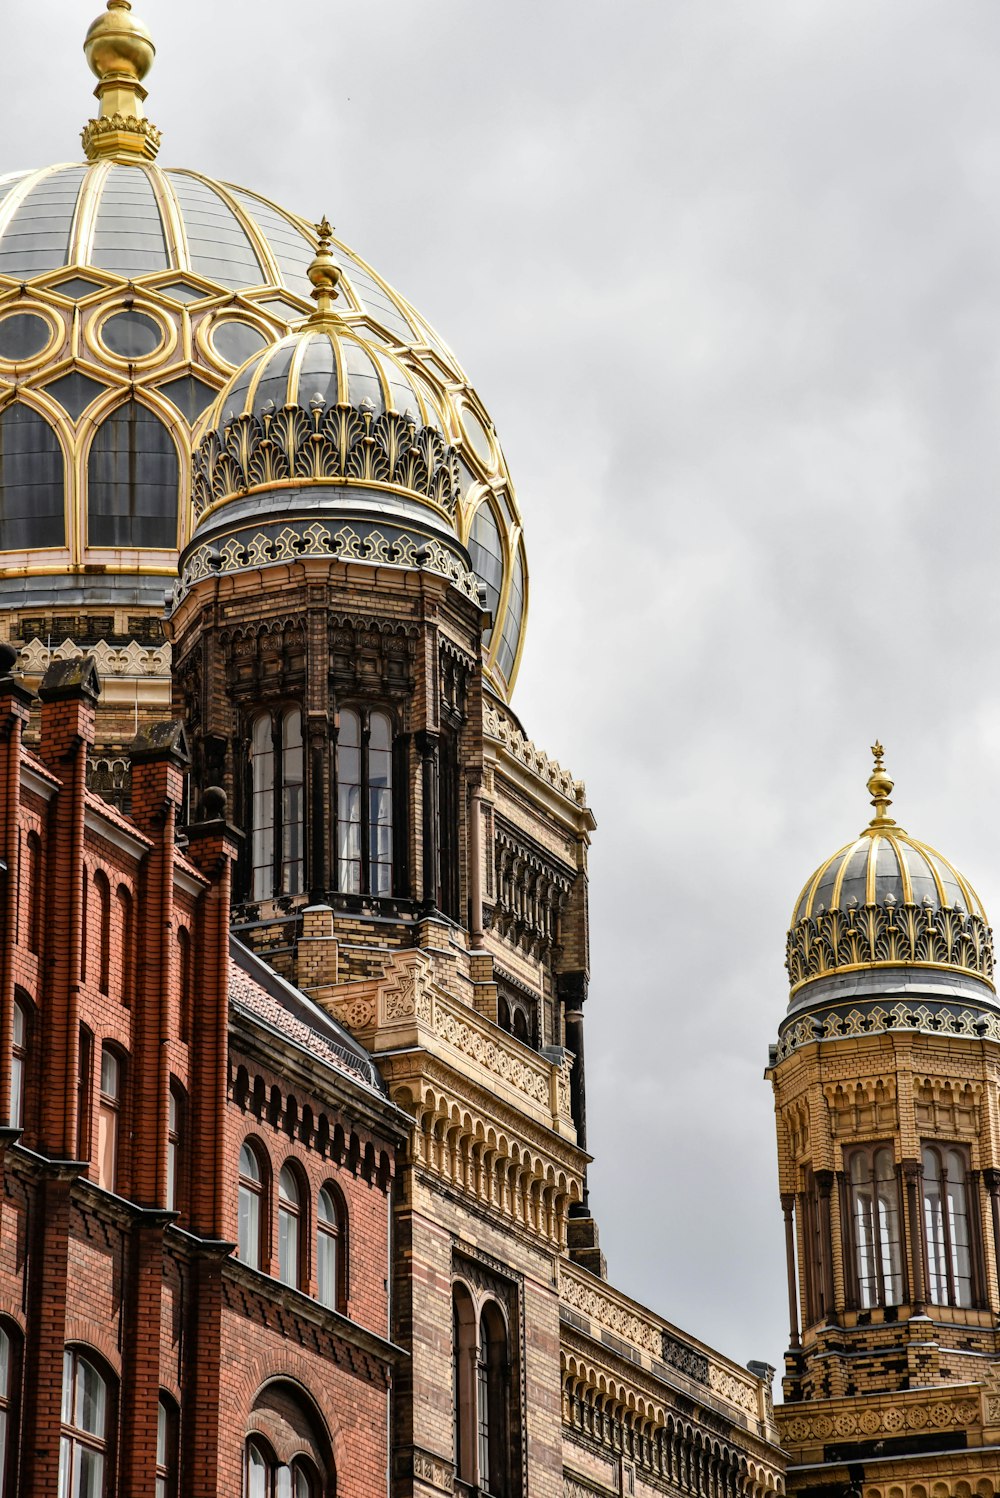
{"x":886,"y":1079}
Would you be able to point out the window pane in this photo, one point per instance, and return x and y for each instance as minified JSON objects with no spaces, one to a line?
{"x":89,"y":1473}
{"x":262,"y":765}
{"x":256,"y":1474}
{"x":31,"y":481}
{"x":249,"y":1165}
{"x":133,"y":478}
{"x":109,"y":1073}
{"x":90,"y":1398}
{"x":292,"y":867}
{"x":248,"y":1245}
{"x":349,"y":802}
{"x":326,"y":1267}
{"x":288,"y":1247}
{"x":4,"y":1364}
{"x":17,"y":1092}
{"x":107,"y":1146}
{"x":161,"y":1435}
{"x":287,"y":1188}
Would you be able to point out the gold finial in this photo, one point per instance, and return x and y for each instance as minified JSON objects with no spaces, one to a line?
{"x":879,"y":786}
{"x":324,"y":273}
{"x":120,"y":52}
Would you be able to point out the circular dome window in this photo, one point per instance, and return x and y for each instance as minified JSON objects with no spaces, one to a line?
{"x":478,"y":436}
{"x":236,"y":342}
{"x":24,"y":335}
{"x":131,"y":335}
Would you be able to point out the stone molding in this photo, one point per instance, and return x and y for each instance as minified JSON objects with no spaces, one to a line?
{"x":942,"y":1019}
{"x":132,"y":659}
{"x":501,"y":730}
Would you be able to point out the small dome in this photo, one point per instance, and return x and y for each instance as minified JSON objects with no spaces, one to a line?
{"x":884,"y":901}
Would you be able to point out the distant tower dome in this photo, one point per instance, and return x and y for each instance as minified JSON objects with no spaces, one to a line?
{"x":129,"y":294}
{"x":887,"y":913}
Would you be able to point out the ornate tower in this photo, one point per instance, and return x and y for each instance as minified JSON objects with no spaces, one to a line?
{"x":886,"y":1080}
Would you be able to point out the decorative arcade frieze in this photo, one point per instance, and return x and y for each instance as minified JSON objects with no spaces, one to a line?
{"x":531,"y":892}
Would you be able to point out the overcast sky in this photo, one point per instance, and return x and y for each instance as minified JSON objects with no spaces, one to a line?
{"x":727,"y":276}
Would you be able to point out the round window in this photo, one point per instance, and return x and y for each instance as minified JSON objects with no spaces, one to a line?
{"x":131,"y":335}
{"x":236,"y":342}
{"x":478,"y":436}
{"x":23,"y":335}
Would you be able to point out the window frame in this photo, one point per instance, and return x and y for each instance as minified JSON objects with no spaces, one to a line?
{"x":879,"y":1243}
{"x":20,"y":1055}
{"x":278,"y":779}
{"x":167,"y":1426}
{"x":292,"y":1223}
{"x":948,"y":1257}
{"x":256,"y":1190}
{"x":110,"y":1107}
{"x":364,"y":712}
{"x":73,"y":1437}
{"x":335,"y":1232}
{"x":10,"y":1405}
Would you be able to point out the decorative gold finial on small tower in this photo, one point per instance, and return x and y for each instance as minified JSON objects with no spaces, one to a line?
{"x":324,"y":273}
{"x":120,"y":52}
{"x":879,"y":786}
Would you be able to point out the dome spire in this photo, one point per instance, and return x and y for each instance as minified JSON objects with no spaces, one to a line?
{"x":120,"y":52}
{"x":879,"y":786}
{"x":324,"y":273}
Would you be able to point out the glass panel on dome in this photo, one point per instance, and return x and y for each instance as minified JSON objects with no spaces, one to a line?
{"x":887,"y":880}
{"x":824,"y":890}
{"x":486,"y":551}
{"x":318,"y":373}
{"x":375,"y":300}
{"x":507,"y":653}
{"x":190,"y":395}
{"x":402,"y":396}
{"x":37,"y":237}
{"x":128,"y":232}
{"x":921,"y":877}
{"x":952,"y":889}
{"x":181,"y":291}
{"x":289,"y":246}
{"x":74,"y":392}
{"x":131,"y":335}
{"x":237,"y":390}
{"x":7,"y":184}
{"x":855,"y":875}
{"x":362,"y":378}
{"x":274,"y":384}
{"x":218,"y":244}
{"x":132,"y":481}
{"x":31,"y":481}
{"x":77,"y":287}
{"x":23,"y":335}
{"x":477,"y":435}
{"x":287,"y":311}
{"x":236,"y":342}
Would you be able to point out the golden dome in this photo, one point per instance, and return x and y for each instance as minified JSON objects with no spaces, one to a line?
{"x":886,"y":900}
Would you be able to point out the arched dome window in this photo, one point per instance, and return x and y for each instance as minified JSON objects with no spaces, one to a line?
{"x":133,"y":479}
{"x":32,"y":482}
{"x":486,"y":553}
{"x":510,"y":638}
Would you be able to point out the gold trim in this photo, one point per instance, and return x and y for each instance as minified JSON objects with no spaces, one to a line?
{"x":144,"y":362}
{"x":338,"y":482}
{"x":88,"y":202}
{"x":171,"y":219}
{"x":57,"y":336}
{"x":873,"y":967}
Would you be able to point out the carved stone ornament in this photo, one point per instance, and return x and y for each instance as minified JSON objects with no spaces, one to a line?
{"x":324,"y":443}
{"x":946,"y":1019}
{"x":891,"y":934}
{"x":96,"y":133}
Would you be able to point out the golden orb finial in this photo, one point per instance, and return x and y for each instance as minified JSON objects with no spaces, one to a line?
{"x":120,"y":52}
{"x":324,"y":273}
{"x":879,"y":787}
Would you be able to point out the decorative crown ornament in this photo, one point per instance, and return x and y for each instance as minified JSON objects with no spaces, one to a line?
{"x":324,"y":273}
{"x":120,"y":52}
{"x":879,"y":787}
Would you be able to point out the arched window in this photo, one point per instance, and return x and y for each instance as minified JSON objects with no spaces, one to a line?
{"x":32,"y":501}
{"x":947,"y":1226}
{"x":491,"y":1397}
{"x":464,"y":1351}
{"x":185,"y":979}
{"x":289,"y":1215}
{"x":108,"y":1118}
{"x":331,"y":1249}
{"x":84,"y":1094}
{"x":265,"y":1478}
{"x":364,"y":802}
{"x":83,"y":1443}
{"x":126,"y":925}
{"x":288,"y":1452}
{"x":251,"y":1196}
{"x":166,"y":1448}
{"x":276,"y":767}
{"x":34,"y":884}
{"x":19,"y":1063}
{"x":102,"y":891}
{"x":875,"y":1223}
{"x":175,"y":1138}
{"x":260,"y":1466}
{"x":10,"y":1344}
{"x":132,"y":481}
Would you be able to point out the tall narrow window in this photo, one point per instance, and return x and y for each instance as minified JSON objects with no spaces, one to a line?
{"x":289,"y":1212}
{"x":277,"y":774}
{"x":259,"y":1472}
{"x":108,"y":1119}
{"x":875,"y":1221}
{"x":465,"y":1366}
{"x":8,"y":1412}
{"x":494,"y":1449}
{"x":126,"y":925}
{"x":84,"y":1094}
{"x":82,"y":1446}
{"x":947,"y":1227}
{"x":251,"y":1193}
{"x":18,"y":1065}
{"x":34,"y":892}
{"x":331,"y":1278}
{"x":262,"y":757}
{"x":102,"y":892}
{"x":166,"y":1448}
{"x":32,"y":496}
{"x":174,"y":1126}
{"x":364,"y":802}
{"x":132,"y":481}
{"x":185,"y":979}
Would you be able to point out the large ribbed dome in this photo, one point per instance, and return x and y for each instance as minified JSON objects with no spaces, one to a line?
{"x":886,"y":901}
{"x":129,"y":294}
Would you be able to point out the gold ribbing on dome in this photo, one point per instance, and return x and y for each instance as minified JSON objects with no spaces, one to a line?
{"x":120,"y":52}
{"x":324,"y":273}
{"x":879,"y":787}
